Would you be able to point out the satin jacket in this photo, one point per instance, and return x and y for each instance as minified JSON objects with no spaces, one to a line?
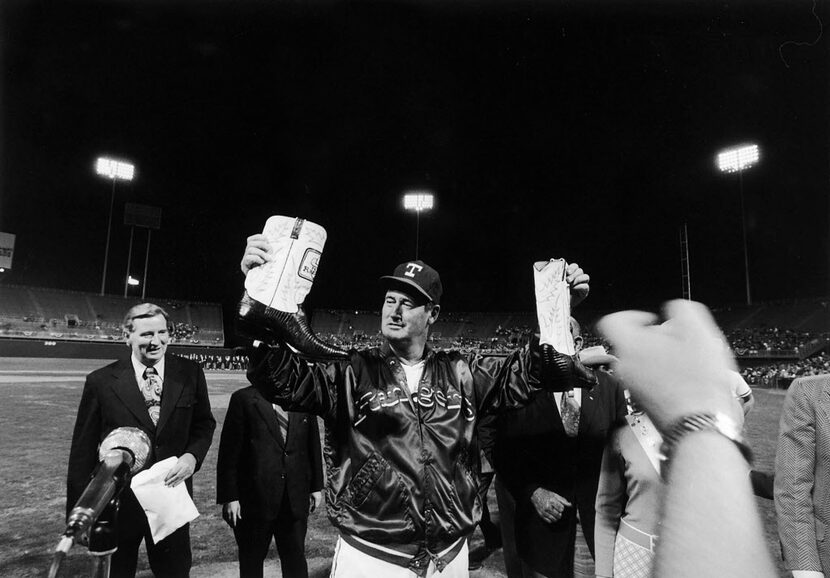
{"x":401,"y":469}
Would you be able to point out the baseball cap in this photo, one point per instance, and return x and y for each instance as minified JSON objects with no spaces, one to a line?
{"x":419,"y":276}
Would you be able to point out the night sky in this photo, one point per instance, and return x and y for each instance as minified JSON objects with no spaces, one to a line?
{"x":578,"y":129}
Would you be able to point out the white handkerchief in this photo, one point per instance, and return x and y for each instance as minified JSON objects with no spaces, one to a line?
{"x":167,"y":509}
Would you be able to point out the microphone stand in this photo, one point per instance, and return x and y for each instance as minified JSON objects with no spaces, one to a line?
{"x":94,"y":519}
{"x":102,"y":543}
{"x":103,"y":539}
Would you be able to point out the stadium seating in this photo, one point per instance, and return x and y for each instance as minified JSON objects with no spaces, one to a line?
{"x":780,"y":332}
{"x":39,"y":313}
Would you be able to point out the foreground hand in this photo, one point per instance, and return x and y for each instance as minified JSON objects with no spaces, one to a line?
{"x":673,"y":369}
{"x":314,"y":501}
{"x":549,"y":505}
{"x":232,"y":513}
{"x":578,"y":281}
{"x":257,"y":252}
{"x":183,"y":469}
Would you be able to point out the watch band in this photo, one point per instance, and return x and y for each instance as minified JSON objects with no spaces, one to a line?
{"x":698,"y":422}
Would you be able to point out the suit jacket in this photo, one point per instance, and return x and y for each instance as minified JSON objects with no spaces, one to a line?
{"x":112,"y":399}
{"x":532,"y":451}
{"x":257,"y":466}
{"x":802,"y":475}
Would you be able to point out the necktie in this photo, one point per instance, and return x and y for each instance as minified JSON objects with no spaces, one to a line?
{"x":570,"y":413}
{"x":151,"y":390}
{"x":282,"y":420}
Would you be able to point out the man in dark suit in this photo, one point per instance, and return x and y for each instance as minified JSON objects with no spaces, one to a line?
{"x":269,"y":477}
{"x":166,"y":397}
{"x":551,"y":473}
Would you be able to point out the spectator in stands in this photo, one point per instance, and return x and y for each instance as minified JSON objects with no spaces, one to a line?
{"x":750,"y":341}
{"x":771,"y":374}
{"x":166,"y":397}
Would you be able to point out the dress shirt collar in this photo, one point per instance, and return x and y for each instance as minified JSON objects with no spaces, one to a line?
{"x":139,"y":368}
{"x":557,"y":395}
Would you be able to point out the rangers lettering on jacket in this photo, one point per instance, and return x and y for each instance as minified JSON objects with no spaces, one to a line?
{"x":426,"y":396}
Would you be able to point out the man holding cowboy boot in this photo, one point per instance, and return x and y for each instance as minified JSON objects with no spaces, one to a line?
{"x":400,"y":418}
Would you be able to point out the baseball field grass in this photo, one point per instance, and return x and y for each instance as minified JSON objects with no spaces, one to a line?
{"x":40,"y":400}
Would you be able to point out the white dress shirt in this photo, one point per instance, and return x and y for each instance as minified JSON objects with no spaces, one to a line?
{"x":139,"y":368}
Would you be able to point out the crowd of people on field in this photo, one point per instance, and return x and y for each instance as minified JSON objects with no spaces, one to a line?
{"x":236,"y":362}
{"x":635,"y":453}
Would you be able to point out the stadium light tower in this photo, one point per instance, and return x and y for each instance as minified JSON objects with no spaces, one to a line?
{"x":115,"y":170}
{"x":418,"y":201}
{"x":737,"y":160}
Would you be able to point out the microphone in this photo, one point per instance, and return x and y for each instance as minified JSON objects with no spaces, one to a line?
{"x":122,"y":453}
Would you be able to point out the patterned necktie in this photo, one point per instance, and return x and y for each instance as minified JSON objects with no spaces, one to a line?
{"x":570,"y":413}
{"x":151,"y":390}
{"x":282,"y":420}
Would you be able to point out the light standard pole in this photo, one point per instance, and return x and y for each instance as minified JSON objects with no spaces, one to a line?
{"x":146,"y":217}
{"x":146,"y":262}
{"x":129,"y":262}
{"x":737,"y":160}
{"x":418,"y":201}
{"x":115,"y":170}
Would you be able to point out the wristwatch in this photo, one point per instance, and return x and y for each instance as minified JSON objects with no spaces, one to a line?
{"x":717,"y":422}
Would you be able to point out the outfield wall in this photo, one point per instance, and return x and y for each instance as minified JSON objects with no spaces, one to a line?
{"x":86,"y":350}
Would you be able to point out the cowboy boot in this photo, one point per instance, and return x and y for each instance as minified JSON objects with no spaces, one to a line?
{"x":563,"y":372}
{"x":561,"y":368}
{"x":271,"y":308}
{"x":553,"y":305}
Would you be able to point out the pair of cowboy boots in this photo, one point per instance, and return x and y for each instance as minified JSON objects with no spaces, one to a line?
{"x":271,"y":307}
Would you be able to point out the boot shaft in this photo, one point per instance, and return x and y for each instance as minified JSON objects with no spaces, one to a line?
{"x":284,"y":282}
{"x":553,"y":305}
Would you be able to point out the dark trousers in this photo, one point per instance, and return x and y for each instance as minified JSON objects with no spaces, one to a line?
{"x":490,"y":531}
{"x":507,"y":514}
{"x":556,"y":560}
{"x":253,"y":538}
{"x":559,"y":562}
{"x":569,"y":543}
{"x":170,"y":558}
